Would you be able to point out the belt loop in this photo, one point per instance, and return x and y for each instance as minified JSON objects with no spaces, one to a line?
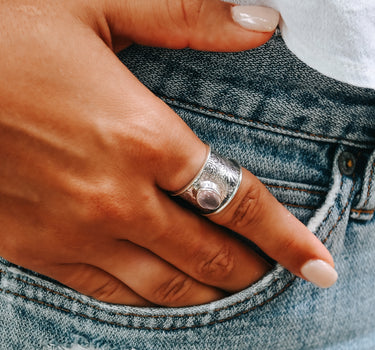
{"x":365,"y":208}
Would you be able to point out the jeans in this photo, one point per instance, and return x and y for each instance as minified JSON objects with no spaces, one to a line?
{"x":311,"y":141}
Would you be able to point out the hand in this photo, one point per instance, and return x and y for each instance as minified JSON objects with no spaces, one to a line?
{"x":87,"y":161}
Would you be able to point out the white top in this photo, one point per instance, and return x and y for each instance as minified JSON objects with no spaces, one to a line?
{"x":335,"y":37}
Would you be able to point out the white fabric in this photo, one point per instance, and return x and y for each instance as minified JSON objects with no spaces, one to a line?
{"x":335,"y":37}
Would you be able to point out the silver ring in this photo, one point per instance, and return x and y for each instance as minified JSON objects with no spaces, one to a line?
{"x":215,"y":185}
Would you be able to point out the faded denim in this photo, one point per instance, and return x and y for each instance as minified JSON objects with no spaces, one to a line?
{"x":287,"y":124}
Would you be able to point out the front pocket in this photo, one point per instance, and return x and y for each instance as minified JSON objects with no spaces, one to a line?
{"x":328,"y":222}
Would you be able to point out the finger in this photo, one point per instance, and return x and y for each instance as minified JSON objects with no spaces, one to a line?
{"x":94,"y":282}
{"x":257,"y":215}
{"x":201,"y":249}
{"x":210,"y":25}
{"x":152,"y":278}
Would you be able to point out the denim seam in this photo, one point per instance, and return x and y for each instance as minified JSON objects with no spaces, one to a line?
{"x":121,"y":313}
{"x":329,"y":210}
{"x":369,"y":184}
{"x":114,"y":323}
{"x":341,"y":213}
{"x":273,"y":126}
{"x":179,"y":316}
{"x":298,"y":206}
{"x":297,"y":189}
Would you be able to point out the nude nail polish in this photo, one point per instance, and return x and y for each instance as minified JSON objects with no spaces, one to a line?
{"x":256,"y":18}
{"x":320,"y":273}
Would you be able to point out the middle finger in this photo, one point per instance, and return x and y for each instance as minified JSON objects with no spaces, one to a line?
{"x":201,"y":249}
{"x":150,"y":277}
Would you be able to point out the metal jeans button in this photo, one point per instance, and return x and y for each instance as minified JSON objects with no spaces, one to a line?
{"x":347,"y":163}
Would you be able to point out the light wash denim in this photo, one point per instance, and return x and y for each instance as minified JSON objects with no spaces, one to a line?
{"x":290,"y":126}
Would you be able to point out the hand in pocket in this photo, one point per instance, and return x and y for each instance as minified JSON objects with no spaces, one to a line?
{"x":89,"y":155}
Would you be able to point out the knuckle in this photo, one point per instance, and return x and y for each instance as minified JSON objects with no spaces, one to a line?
{"x":112,"y":207}
{"x":86,"y":280}
{"x":250,"y":208}
{"x":216,"y":266}
{"x":191,"y":10}
{"x":139,"y":141}
{"x":289,"y":244}
{"x":184,"y":13}
{"x":173,"y":291}
{"x":143,"y":148}
{"x":101,"y":202}
{"x":107,"y":290}
{"x":147,"y":148}
{"x":147,"y":134}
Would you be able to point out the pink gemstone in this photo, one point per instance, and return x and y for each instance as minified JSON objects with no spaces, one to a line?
{"x":208,"y":199}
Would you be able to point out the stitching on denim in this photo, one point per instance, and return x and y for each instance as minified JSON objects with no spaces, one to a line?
{"x":330,"y":209}
{"x":299,"y":206}
{"x":341,"y":214}
{"x":152,"y":328}
{"x":297,"y":189}
{"x":35,"y":300}
{"x":274,"y":126}
{"x":369,"y":184}
{"x":198,"y":314}
{"x":132,"y":314}
{"x":363,"y":211}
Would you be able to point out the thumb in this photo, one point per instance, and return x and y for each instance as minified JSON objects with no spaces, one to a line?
{"x":208,"y":25}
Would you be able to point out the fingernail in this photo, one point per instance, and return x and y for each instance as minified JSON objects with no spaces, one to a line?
{"x":257,"y":18}
{"x":320,"y":273}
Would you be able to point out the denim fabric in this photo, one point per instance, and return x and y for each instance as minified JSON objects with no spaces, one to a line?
{"x":289,"y":125}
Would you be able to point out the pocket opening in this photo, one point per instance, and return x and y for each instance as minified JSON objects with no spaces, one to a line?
{"x":44,"y":293}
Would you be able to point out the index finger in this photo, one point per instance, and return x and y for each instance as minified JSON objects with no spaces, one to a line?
{"x":253,"y":212}
{"x":257,"y":215}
